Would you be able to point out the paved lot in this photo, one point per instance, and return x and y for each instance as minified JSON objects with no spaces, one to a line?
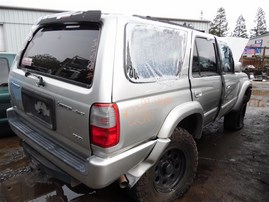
{"x":233,"y":166}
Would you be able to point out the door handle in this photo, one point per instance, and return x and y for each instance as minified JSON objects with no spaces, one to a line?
{"x":229,"y":86}
{"x":198,"y":94}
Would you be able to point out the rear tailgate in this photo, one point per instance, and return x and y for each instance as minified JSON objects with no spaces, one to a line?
{"x":52,"y":87}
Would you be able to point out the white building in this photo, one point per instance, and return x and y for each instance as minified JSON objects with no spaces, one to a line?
{"x":15,"y":24}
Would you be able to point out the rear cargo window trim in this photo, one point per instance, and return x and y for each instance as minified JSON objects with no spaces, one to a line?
{"x":69,"y":26}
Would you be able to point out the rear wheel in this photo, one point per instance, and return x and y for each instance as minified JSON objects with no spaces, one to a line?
{"x":235,"y":119}
{"x":172,"y":174}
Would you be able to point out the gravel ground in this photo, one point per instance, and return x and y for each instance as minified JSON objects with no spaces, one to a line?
{"x":233,"y":166}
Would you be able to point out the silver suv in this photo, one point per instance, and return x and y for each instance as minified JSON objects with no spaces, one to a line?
{"x":101,"y":97}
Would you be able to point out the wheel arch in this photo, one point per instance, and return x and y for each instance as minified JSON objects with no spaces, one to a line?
{"x":188,"y":116}
{"x":245,"y":91}
{"x":248,"y":93}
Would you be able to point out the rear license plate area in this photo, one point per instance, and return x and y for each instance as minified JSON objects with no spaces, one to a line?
{"x":39,"y":107}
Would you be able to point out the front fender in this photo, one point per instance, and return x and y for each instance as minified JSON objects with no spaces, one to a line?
{"x":247,"y":84}
{"x":178,"y":114}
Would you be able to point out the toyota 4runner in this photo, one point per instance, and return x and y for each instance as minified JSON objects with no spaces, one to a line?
{"x":102,"y":97}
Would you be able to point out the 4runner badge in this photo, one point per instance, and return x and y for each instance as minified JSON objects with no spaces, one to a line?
{"x":42,"y":109}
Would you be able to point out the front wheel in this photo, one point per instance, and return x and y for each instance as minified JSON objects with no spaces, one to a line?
{"x":235,"y":120}
{"x":173,"y":173}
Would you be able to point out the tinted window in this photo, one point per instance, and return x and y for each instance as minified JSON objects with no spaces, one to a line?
{"x":195,"y":63}
{"x":65,"y":52}
{"x":227,"y":62}
{"x":204,"y":58}
{"x":154,"y":53}
{"x":3,"y":72}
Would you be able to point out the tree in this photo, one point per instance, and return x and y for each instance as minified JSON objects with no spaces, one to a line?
{"x":240,"y":28}
{"x":219,"y":26}
{"x":45,"y":62}
{"x":260,"y":23}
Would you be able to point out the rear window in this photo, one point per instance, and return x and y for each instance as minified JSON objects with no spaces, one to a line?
{"x":66,"y":52}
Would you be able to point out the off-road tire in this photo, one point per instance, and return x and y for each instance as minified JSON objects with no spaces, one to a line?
{"x":172,"y":174}
{"x":235,"y":120}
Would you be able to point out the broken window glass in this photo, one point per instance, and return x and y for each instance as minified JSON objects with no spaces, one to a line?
{"x":154,"y":53}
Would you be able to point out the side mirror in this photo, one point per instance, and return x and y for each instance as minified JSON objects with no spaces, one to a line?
{"x":238,"y":67}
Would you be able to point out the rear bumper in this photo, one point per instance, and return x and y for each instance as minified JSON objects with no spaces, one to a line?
{"x":93,"y":171}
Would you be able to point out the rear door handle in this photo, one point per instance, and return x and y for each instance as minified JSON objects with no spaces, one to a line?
{"x":198,"y":94}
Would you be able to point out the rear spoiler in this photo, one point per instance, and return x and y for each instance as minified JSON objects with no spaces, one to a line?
{"x":70,"y":17}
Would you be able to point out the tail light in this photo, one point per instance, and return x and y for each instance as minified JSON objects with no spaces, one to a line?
{"x":104,"y":125}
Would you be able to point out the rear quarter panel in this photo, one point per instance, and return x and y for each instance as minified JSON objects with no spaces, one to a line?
{"x":144,"y":106}
{"x":72,"y":102}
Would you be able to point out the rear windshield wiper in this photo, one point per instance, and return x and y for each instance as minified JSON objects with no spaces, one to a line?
{"x":40,"y":82}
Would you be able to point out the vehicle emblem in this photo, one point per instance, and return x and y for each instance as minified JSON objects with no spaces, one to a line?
{"x":77,"y":137}
{"x":42,"y":109}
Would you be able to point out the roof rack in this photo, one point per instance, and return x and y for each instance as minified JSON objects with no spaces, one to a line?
{"x":165,"y":20}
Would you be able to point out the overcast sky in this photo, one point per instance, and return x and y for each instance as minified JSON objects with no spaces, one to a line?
{"x":158,"y":8}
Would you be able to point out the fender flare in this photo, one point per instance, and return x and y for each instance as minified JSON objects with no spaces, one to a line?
{"x":245,"y":86}
{"x":178,"y":114}
{"x":172,"y":120}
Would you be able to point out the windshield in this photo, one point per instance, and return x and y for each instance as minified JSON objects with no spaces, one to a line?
{"x":66,"y":52}
{"x":3,"y":72}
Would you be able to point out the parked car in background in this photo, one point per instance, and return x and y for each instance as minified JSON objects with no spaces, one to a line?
{"x":6,"y":60}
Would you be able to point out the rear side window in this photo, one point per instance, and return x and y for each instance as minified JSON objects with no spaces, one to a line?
{"x":154,"y":53}
{"x":65,"y":52}
{"x":226,"y":56}
{"x":204,"y":58}
{"x":4,"y":69}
